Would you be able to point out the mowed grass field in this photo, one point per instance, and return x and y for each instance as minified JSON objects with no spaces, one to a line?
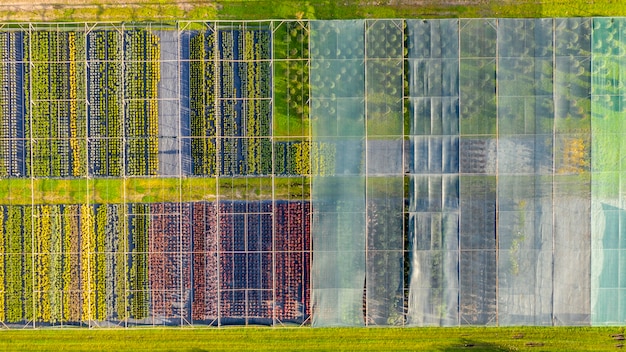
{"x":163,"y":10}
{"x":317,"y":339}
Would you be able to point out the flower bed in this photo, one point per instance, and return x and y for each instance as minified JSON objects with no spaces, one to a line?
{"x":105,"y":102}
{"x":138,"y":267}
{"x":72,"y":263}
{"x":141,"y":77}
{"x":169,"y":260}
{"x":55,"y":120}
{"x":12,"y":153}
{"x":204,"y":306}
{"x":202,"y":99}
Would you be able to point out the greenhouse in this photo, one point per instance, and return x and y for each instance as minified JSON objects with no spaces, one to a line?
{"x":318,"y":173}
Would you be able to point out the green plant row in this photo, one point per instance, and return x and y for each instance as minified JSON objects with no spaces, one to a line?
{"x":138,"y":271}
{"x":255,"y":89}
{"x":203,"y":117}
{"x":230,"y":117}
{"x":243,"y":107}
{"x":105,"y":109}
{"x":141,"y":77}
{"x":62,"y":264}
{"x":55,"y":118}
{"x":292,"y":158}
{"x":18,"y":243}
{"x":10,"y":110}
{"x":73,"y":297}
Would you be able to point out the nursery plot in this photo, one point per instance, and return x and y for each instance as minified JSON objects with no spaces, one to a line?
{"x":244,"y":104}
{"x":202,"y":101}
{"x":61,"y":241}
{"x":230,"y":99}
{"x":246,"y":275}
{"x":110,"y":251}
{"x":141,"y":76}
{"x":293,"y":255}
{"x":56,"y":113}
{"x":169,"y":261}
{"x":93,"y":267}
{"x":12,"y":138}
{"x":123,"y":75}
{"x":104,"y":244}
{"x":18,"y":260}
{"x":293,"y":248}
{"x":48,"y":285}
{"x":245,"y":259}
{"x":138,"y":293}
{"x":205,"y":275}
{"x":292,"y":157}
{"x":87,"y":266}
{"x":105,"y":102}
{"x":292,"y":242}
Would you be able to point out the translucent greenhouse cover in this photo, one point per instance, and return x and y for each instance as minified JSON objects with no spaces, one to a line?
{"x":498,"y":168}
{"x":339,"y":221}
{"x":608,"y":294}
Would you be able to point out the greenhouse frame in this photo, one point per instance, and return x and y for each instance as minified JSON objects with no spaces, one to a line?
{"x":392,"y":172}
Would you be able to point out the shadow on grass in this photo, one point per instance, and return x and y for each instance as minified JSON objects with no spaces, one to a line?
{"x":474,"y":345}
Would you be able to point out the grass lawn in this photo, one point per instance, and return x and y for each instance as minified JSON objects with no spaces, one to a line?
{"x":316,"y":339}
{"x":156,"y":10}
{"x":145,"y":190}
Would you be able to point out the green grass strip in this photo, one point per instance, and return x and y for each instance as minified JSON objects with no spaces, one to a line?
{"x":164,"y":10}
{"x":149,"y":189}
{"x":317,"y":339}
